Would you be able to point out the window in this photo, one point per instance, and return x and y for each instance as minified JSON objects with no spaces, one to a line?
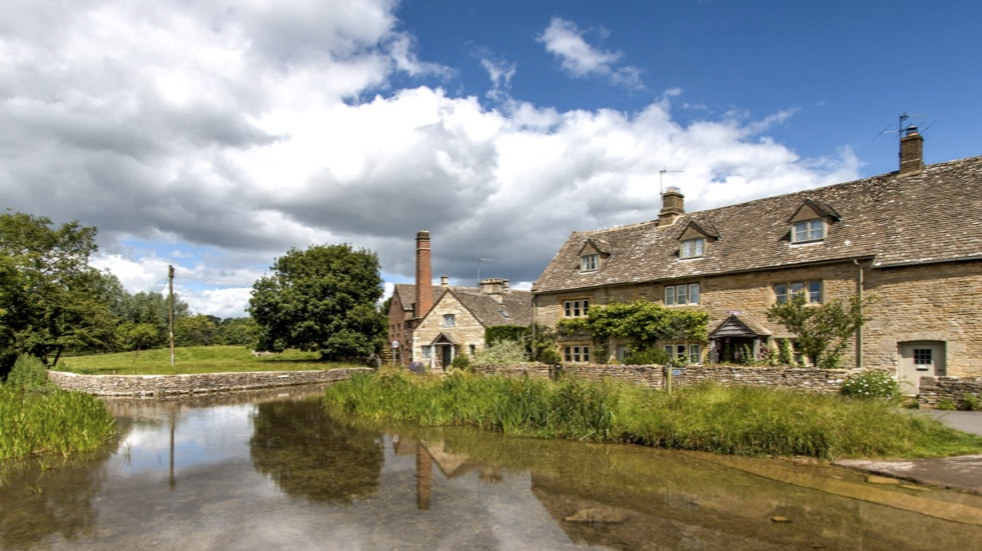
{"x":809,"y":230}
{"x":692,"y":248}
{"x":427,"y":351}
{"x":473,"y":349}
{"x":589,"y":262}
{"x":684,"y":354}
{"x":576,"y":353}
{"x":812,"y":290}
{"x":922,"y":359}
{"x":576,"y":308}
{"x":677,"y":295}
{"x":449,"y":320}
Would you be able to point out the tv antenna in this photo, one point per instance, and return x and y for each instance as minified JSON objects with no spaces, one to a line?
{"x":479,"y":260}
{"x":901,"y":128}
{"x":661,"y":177}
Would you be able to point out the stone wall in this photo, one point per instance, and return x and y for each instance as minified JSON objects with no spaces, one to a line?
{"x":827,"y":381}
{"x":168,"y":385}
{"x":935,"y":389}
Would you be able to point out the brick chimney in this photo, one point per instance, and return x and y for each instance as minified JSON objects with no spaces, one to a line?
{"x":911,"y":152}
{"x":424,"y":275}
{"x":671,"y":206}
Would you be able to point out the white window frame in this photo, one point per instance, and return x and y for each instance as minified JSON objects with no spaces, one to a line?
{"x":808,"y":230}
{"x":576,"y":353}
{"x":813,"y":291}
{"x":682,"y":295}
{"x":576,"y":308}
{"x":449,"y":320}
{"x":692,"y":248}
{"x":427,"y":351}
{"x":590,"y":263}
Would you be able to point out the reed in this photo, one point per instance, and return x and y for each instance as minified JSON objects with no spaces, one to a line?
{"x":57,"y":423}
{"x":709,"y":417}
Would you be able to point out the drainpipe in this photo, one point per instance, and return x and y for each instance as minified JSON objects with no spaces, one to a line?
{"x":859,"y":330}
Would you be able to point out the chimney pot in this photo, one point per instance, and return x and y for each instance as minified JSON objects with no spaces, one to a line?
{"x":444,"y":281}
{"x":911,"y":152}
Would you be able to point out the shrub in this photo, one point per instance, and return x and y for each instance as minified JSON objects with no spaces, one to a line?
{"x":871,"y":384}
{"x":647,"y":356}
{"x":972,"y":402}
{"x":945,"y":404}
{"x":29,"y":374}
{"x":461,"y":362}
{"x":503,"y":352}
{"x":417,"y":367}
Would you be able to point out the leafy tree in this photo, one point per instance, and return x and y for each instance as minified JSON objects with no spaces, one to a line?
{"x":324,"y":298}
{"x":237,"y":331}
{"x":137,"y":336}
{"x":154,"y":309}
{"x":497,"y":333}
{"x":822,"y":330}
{"x":195,"y":330}
{"x":50,"y":298}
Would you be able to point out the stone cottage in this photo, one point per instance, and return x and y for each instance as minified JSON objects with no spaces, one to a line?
{"x":434,"y":324}
{"x":911,"y":239}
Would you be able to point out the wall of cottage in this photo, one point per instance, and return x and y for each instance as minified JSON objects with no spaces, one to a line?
{"x":203,"y":383}
{"x":467,"y":331}
{"x":938,"y":302}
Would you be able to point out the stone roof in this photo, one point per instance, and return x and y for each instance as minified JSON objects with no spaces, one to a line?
{"x":407,"y":294}
{"x":934,"y":215}
{"x":515,"y":307}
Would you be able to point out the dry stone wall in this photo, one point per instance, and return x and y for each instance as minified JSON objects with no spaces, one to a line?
{"x":935,"y":389}
{"x":171,"y":385}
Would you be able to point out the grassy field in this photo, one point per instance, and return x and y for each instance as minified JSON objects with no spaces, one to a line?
{"x":193,"y":359}
{"x":730,"y":420}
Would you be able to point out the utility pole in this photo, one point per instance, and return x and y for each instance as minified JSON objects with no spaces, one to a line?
{"x":170,"y":284}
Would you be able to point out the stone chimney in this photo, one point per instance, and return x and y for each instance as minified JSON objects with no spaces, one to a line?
{"x":424,"y":275}
{"x":444,"y":281}
{"x":911,"y":152}
{"x":671,"y":206}
{"x":494,"y":287}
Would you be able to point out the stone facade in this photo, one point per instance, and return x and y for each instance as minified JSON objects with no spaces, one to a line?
{"x":169,"y":385}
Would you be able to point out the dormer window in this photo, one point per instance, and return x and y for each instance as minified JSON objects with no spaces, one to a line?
{"x":808,"y":230}
{"x":692,"y":248}
{"x":589,"y":262}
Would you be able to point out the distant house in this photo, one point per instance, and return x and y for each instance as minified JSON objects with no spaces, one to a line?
{"x":437,"y":324}
{"x":911,"y":238}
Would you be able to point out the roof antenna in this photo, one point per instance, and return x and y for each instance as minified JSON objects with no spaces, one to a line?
{"x":479,"y":260}
{"x":900,"y":126}
{"x":661,"y":176}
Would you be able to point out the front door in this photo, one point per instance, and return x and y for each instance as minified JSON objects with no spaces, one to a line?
{"x":920,"y":359}
{"x":446,"y":356}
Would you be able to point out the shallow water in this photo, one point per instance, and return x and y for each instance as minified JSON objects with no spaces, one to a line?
{"x":274,"y":471}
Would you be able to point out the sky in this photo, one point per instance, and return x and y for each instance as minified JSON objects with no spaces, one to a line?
{"x":215,"y":136}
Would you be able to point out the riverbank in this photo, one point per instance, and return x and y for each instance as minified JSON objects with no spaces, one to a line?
{"x":155,"y":386}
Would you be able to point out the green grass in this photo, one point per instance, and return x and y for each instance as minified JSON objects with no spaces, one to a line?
{"x":193,"y":359}
{"x":52,"y":423}
{"x":732,"y":420}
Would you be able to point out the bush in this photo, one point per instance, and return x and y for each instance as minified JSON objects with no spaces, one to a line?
{"x":503,"y":352}
{"x":29,"y":374}
{"x":461,"y":362}
{"x":417,"y":367}
{"x":972,"y":402}
{"x":647,"y":356}
{"x":945,"y":404}
{"x":871,"y":384}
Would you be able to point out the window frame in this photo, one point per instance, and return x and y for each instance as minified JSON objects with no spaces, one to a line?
{"x":804,"y":231}
{"x":427,"y":351}
{"x":576,"y":308}
{"x":813,"y":290}
{"x":449,"y":321}
{"x":692,"y":248}
{"x":590,"y":262}
{"x":576,"y":353}
{"x":682,"y":295}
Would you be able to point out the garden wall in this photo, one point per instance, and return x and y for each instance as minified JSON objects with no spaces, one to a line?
{"x":167,"y":385}
{"x":935,"y":389}
{"x":827,"y":381}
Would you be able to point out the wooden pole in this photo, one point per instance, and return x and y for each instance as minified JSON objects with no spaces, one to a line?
{"x":170,"y":284}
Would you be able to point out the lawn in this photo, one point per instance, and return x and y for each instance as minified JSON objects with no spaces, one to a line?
{"x":193,"y":359}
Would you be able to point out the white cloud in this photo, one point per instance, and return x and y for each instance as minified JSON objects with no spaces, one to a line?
{"x":565,"y":40}
{"x":252,"y":130}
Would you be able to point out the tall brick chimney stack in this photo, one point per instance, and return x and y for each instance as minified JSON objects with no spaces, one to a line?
{"x":911,"y":152}
{"x":672,"y":206}
{"x":424,"y":275}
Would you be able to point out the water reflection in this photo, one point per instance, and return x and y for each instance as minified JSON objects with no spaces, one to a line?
{"x":273,"y":470}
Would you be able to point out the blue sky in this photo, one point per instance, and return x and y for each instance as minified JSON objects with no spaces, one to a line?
{"x":215,"y":136}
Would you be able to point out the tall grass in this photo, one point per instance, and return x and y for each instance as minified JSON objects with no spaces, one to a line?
{"x":58,"y":422}
{"x":733,"y":420}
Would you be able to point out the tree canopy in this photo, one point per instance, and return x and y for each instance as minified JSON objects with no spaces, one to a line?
{"x":50,"y":298}
{"x":321,"y":299}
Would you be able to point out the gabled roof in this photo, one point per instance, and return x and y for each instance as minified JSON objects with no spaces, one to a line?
{"x":931,"y":216}
{"x":407,"y":294}
{"x":515,"y":307}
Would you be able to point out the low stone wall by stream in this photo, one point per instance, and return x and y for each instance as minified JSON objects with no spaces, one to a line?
{"x":954,"y":389}
{"x":199,"y":383}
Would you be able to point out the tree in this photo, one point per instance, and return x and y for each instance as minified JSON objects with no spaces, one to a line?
{"x":195,"y":330}
{"x":239,"y":331}
{"x":50,"y":298}
{"x":321,"y":299}
{"x":822,"y":330}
